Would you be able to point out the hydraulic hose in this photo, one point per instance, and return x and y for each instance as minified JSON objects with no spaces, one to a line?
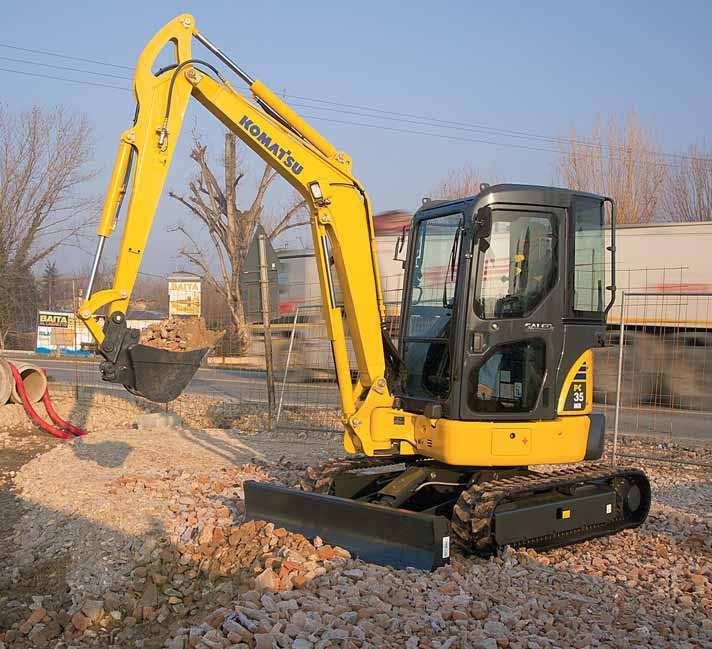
{"x":54,"y":416}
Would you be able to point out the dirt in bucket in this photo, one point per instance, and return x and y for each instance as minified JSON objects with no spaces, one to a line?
{"x":180,"y":335}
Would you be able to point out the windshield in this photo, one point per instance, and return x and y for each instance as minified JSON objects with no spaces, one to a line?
{"x":431,"y":300}
{"x":519,"y":266}
{"x":437,"y":248}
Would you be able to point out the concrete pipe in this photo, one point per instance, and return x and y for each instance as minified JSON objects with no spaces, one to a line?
{"x":6,"y":382}
{"x":34,"y":380}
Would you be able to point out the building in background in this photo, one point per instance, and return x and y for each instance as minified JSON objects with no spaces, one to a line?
{"x":60,"y":332}
{"x":185,"y":292}
{"x":141,"y":318}
{"x":250,"y":278}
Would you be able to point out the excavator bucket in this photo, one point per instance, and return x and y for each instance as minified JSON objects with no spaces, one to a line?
{"x":160,"y":375}
{"x":156,"y":374}
{"x":374,"y":533}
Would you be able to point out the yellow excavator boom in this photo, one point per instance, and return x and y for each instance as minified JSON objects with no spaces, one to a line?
{"x":341,"y":222}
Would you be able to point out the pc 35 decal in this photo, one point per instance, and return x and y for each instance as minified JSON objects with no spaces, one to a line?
{"x":283,"y":155}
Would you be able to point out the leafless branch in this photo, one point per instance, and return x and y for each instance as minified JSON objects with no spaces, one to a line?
{"x":213,"y":202}
{"x":459,"y":183}
{"x":44,"y":156}
{"x":623,"y":161}
{"x":688,"y":196}
{"x":298,"y":205}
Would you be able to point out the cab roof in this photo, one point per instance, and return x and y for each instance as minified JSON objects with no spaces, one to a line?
{"x":515,"y":193}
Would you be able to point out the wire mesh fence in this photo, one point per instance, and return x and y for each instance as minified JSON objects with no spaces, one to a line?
{"x":663,"y":372}
{"x":654,"y":380}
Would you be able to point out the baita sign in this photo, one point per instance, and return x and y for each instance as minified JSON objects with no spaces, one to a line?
{"x":49,"y":319}
{"x":60,"y":332}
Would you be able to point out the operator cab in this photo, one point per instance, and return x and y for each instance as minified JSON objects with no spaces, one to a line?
{"x":504,"y":291}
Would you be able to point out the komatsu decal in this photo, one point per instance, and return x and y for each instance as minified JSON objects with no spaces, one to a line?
{"x":283,"y":155}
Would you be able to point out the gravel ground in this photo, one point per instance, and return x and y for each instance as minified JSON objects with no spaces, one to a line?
{"x":134,"y":538}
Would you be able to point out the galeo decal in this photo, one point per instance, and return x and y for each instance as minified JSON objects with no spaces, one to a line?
{"x":282,"y":154}
{"x":539,"y":326}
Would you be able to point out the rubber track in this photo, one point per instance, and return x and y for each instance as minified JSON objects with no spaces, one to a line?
{"x":472,"y":524}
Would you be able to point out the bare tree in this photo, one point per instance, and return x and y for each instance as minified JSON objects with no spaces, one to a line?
{"x":459,"y":183}
{"x":214,"y":203}
{"x":294,"y":215}
{"x":43,"y":166}
{"x":623,"y":161}
{"x":689,"y":192}
{"x":151,"y":289}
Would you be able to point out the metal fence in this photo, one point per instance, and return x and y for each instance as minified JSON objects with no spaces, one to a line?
{"x":653,"y":381}
{"x":663,"y":392}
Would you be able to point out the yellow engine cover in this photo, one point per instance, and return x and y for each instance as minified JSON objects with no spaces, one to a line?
{"x":478,"y":443}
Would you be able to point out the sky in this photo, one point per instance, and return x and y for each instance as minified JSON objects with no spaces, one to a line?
{"x":494,"y":68}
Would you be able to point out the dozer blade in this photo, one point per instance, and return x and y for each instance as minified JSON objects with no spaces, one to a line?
{"x":374,"y":533}
{"x":156,"y":374}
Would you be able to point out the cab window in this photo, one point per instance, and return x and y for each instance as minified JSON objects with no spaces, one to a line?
{"x":519,"y":266}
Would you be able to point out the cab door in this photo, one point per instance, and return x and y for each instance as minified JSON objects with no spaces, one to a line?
{"x":513,"y":327}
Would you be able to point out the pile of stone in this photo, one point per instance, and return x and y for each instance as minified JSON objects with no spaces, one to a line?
{"x":211,"y":580}
{"x":207,"y":537}
{"x":180,"y":334}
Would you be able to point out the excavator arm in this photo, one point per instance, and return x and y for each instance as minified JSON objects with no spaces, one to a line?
{"x":341,"y":225}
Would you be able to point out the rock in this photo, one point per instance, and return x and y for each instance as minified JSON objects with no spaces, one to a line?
{"x":179,"y":642}
{"x":495,"y":629}
{"x":479,"y":610}
{"x":80,"y":622}
{"x":112,"y":602}
{"x":206,"y":535}
{"x":264,"y":640}
{"x":267,"y":580}
{"x":93,"y":609}
{"x":35,"y":617}
{"x":300,"y":619}
{"x":300,"y":643}
{"x":149,"y":597}
{"x":488,"y":643}
{"x":159,"y":420}
{"x":335,"y":634}
{"x":218,"y":536}
{"x":40,"y":635}
{"x":233,"y":627}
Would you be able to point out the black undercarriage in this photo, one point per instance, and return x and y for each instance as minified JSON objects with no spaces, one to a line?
{"x":405,"y":511}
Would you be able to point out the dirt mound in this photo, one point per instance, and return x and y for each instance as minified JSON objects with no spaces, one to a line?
{"x":180,"y":335}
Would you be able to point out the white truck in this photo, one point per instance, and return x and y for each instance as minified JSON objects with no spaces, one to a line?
{"x":669,"y":338}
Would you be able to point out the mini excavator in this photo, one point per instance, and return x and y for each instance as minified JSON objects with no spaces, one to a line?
{"x":506,"y":294}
